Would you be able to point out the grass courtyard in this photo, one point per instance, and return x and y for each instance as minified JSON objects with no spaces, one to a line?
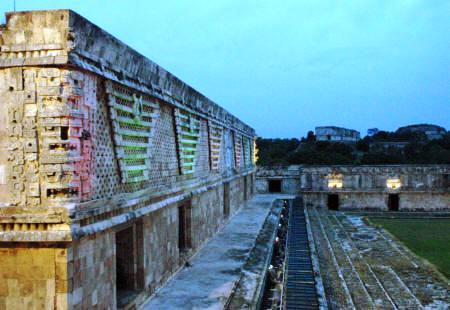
{"x":428,"y":238}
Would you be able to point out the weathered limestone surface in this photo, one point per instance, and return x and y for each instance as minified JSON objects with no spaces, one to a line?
{"x":95,"y":139}
{"x":364,"y":187}
{"x":33,"y":278}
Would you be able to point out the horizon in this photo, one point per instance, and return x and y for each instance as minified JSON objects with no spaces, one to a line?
{"x":380,"y":64}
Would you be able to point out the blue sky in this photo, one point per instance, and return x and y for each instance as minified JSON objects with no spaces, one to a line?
{"x":285,"y":67}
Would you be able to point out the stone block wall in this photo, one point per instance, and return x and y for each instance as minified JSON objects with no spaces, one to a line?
{"x":161,"y":246}
{"x":91,"y":279}
{"x":94,"y":139}
{"x":33,"y":277}
{"x":207,"y":215}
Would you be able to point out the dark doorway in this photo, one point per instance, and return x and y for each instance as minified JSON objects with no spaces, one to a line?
{"x":245,"y":188}
{"x":184,"y":227}
{"x":333,"y":202}
{"x":393,"y":202}
{"x":274,"y":186}
{"x":226,"y":199}
{"x":128,"y":263}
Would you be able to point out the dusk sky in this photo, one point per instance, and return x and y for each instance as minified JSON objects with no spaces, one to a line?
{"x":285,"y":67}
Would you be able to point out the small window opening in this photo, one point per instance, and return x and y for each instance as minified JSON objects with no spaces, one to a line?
{"x":64,"y":133}
{"x":226,"y":199}
{"x":245,"y":188}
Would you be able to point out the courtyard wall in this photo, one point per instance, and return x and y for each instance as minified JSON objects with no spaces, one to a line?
{"x":418,"y":187}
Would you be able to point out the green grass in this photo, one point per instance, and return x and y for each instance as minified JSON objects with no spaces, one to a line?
{"x":428,"y":238}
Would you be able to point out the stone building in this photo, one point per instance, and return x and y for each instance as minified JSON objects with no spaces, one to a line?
{"x":383,"y":187}
{"x":432,"y":132}
{"x":372,"y":131}
{"x":384,"y":145}
{"x":112,"y":171}
{"x":336,"y":134}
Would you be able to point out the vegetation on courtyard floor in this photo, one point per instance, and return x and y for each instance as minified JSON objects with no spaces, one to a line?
{"x":428,"y":238}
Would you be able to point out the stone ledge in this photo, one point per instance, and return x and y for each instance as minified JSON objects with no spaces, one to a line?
{"x":79,"y":232}
{"x":36,"y":236}
{"x":249,"y":288}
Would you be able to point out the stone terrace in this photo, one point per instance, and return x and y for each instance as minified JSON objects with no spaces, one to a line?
{"x":363,"y":268}
{"x":210,"y":281}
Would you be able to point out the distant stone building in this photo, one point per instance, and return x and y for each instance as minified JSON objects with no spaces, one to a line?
{"x":336,"y":134}
{"x":365,"y":187}
{"x":113,"y":172}
{"x":431,"y":131}
{"x":383,"y":145}
{"x":372,"y":131}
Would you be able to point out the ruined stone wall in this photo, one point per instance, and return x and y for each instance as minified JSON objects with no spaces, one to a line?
{"x":95,"y":138}
{"x":364,"y":187}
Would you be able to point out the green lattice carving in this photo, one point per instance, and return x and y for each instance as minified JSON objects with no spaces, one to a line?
{"x":215,"y":143}
{"x":247,"y":151}
{"x":237,"y":141}
{"x":188,"y":133}
{"x":133,"y":116}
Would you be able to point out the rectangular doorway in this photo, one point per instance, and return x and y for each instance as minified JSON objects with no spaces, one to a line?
{"x":128,"y":282}
{"x":274,"y":186}
{"x":184,"y":227}
{"x":245,"y":188}
{"x":333,"y":202}
{"x":393,"y":202}
{"x":226,"y":199}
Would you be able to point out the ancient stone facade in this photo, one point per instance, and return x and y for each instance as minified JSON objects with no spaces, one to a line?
{"x":112,"y":171}
{"x":396,"y":187}
{"x":336,"y":134}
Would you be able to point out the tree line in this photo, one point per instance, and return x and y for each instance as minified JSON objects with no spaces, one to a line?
{"x":409,"y":148}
